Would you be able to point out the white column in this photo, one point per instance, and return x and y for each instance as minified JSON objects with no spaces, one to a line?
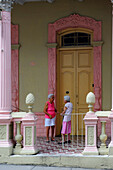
{"x":5,"y":62}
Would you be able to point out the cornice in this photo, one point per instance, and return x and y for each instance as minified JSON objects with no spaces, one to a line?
{"x":21,"y":2}
{"x":51,"y":45}
{"x":6,"y":5}
{"x":15,"y":46}
{"x":97,"y":43}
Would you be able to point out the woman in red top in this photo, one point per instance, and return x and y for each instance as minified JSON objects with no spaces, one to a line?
{"x":50,"y":116}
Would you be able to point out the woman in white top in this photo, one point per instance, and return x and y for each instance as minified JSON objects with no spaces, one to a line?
{"x":66,"y":125}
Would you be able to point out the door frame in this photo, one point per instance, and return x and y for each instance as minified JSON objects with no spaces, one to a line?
{"x":74,"y":119}
{"x":76,"y":21}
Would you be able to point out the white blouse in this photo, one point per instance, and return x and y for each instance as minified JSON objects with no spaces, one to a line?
{"x":67,"y":115}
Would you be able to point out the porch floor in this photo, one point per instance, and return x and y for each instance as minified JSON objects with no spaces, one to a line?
{"x":53,"y":154}
{"x":76,"y":147}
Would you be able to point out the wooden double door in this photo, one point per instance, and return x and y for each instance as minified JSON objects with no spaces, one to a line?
{"x":74,"y":75}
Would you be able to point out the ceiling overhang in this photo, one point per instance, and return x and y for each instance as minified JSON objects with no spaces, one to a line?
{"x":21,"y":2}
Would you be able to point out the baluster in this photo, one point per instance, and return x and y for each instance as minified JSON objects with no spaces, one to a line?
{"x":18,"y":138}
{"x":103,"y":137}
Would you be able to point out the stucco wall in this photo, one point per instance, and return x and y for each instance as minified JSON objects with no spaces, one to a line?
{"x":33,"y":19}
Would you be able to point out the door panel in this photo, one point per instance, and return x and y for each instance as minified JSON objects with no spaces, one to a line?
{"x":74,"y":74}
{"x":84,"y":81}
{"x":83,"y":87}
{"x":66,"y":83}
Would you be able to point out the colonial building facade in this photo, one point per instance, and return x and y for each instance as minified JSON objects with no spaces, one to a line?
{"x":55,"y":46}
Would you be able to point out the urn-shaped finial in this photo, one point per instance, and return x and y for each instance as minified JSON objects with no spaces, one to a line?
{"x":90,"y":99}
{"x":30,"y":101}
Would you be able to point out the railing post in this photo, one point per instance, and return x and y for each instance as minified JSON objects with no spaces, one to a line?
{"x":110,"y":147}
{"x":90,"y":128}
{"x":29,"y":129}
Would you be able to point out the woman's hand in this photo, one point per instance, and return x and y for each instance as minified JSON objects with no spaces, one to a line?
{"x":50,"y":116}
{"x":62,"y":114}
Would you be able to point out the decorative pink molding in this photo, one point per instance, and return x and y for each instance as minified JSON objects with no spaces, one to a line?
{"x":14,"y":68}
{"x":97,"y":78}
{"x":75,"y":21}
{"x":14,"y":80}
{"x":52,"y":71}
{"x":14,"y":34}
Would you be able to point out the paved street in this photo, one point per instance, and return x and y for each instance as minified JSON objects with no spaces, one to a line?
{"x":32,"y":167}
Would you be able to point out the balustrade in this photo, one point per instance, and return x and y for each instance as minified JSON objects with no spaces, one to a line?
{"x":28,"y":122}
{"x":25,"y":132}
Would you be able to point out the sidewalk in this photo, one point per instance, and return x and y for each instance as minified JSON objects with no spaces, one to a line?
{"x":31,"y":167}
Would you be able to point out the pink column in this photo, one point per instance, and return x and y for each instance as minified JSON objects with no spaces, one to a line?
{"x":5,"y":63}
{"x":6,"y":146}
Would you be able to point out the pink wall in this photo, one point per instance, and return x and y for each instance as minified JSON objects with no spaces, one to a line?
{"x":41,"y":130}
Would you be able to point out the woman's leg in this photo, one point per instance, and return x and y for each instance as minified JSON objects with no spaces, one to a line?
{"x":63,"y":137}
{"x":69,"y":136}
{"x":52,"y":132}
{"x":47,"y":132}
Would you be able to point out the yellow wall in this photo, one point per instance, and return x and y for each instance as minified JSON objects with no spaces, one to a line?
{"x":33,"y":19}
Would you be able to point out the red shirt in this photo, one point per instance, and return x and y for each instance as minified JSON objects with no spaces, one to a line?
{"x":50,"y":110}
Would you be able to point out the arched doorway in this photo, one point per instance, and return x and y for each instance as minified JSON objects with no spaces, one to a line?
{"x":75,"y":21}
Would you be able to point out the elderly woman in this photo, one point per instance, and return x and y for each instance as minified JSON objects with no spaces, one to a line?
{"x":50,"y":117}
{"x":66,"y":125}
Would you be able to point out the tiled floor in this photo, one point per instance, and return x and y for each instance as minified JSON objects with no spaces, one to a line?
{"x":55,"y":148}
{"x":76,"y":146}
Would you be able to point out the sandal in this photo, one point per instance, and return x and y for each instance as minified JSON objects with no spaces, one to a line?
{"x":47,"y":141}
{"x":60,"y":143}
{"x":69,"y":141}
{"x":52,"y":139}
